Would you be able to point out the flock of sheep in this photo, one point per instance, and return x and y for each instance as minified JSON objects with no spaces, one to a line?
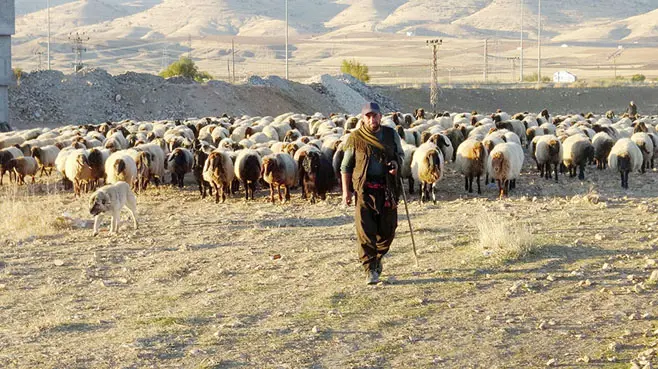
{"x":226,"y":153}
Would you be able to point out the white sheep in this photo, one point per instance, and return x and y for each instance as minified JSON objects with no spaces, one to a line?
{"x":120,"y":166}
{"x":548,"y":150}
{"x":405,"y":168}
{"x":427,"y":169}
{"x":45,"y":157}
{"x":576,"y":153}
{"x":504,"y":165}
{"x":471,"y":161}
{"x":625,"y":157}
{"x":77,"y":169}
{"x":279,"y":170}
{"x":645,"y":143}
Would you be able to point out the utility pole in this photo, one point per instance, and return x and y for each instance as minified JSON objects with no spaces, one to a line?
{"x":434,"y":83}
{"x":539,"y":44}
{"x":228,"y":70}
{"x":78,"y":40}
{"x":286,"y":40}
{"x":521,"y":56}
{"x":233,"y":58}
{"x":39,"y":53}
{"x":165,"y":61}
{"x":450,"y":76}
{"x":48,"y":21}
{"x":189,"y":44}
{"x":513,"y":62}
{"x":486,"y":64}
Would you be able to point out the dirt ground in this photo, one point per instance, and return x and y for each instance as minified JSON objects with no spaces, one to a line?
{"x":260,"y":285}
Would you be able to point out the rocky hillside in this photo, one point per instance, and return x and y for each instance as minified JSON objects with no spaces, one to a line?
{"x":51,"y":98}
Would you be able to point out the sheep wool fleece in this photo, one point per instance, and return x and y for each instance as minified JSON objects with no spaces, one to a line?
{"x":376,"y":215}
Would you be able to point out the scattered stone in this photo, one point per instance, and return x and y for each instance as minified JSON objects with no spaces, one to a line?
{"x":276,"y":257}
{"x":613,"y":347}
{"x":315,"y":329}
{"x":633,"y":316}
{"x":58,"y":262}
{"x":542,"y":325}
{"x":653,"y":278}
{"x":585,"y":359}
{"x":551,"y":362}
{"x":606,"y":267}
{"x":551,"y":278}
{"x":599,"y":237}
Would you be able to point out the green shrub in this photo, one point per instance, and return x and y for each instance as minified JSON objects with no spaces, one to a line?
{"x":18,"y":73}
{"x":185,"y":67}
{"x":356,"y":69}
{"x":638,"y":78}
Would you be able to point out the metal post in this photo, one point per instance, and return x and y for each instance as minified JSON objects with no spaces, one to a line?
{"x":48,"y":56}
{"x":521,"y":56}
{"x":233,"y":59}
{"x":286,"y":39}
{"x":539,"y":44}
{"x":486,"y":66}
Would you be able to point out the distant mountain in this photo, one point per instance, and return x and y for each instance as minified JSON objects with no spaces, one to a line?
{"x":456,"y":18}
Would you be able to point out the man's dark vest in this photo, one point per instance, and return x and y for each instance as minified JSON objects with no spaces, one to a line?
{"x":362,"y":159}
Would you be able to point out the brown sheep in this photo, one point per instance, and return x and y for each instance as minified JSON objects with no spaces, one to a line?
{"x":23,"y":166}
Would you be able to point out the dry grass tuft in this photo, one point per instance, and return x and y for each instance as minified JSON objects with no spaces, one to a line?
{"x":30,"y":211}
{"x":503,"y":240}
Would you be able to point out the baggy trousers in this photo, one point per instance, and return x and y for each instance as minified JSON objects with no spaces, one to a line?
{"x":375,"y":226}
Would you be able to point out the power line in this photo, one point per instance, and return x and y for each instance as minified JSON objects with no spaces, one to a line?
{"x":77,"y":48}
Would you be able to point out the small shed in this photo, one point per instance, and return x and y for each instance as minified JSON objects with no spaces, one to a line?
{"x":564,"y":77}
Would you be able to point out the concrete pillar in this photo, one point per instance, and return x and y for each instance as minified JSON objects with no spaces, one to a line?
{"x":7,"y":28}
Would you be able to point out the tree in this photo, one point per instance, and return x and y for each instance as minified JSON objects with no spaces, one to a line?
{"x":18,"y":73}
{"x":356,"y":69}
{"x":185,"y":67}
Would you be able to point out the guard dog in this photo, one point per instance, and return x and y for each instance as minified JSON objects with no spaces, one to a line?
{"x":112,"y":198}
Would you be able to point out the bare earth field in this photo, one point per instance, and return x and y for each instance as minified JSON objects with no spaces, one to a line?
{"x":201,"y":285}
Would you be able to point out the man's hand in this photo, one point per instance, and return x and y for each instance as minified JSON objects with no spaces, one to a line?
{"x":347,"y":198}
{"x":393,"y":165}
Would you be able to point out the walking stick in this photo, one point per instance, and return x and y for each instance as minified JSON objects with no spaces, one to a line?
{"x":411,"y":230}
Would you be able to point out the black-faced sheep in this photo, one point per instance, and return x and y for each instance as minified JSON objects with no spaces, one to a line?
{"x":5,"y":156}
{"x":45,"y":157}
{"x":318,"y":176}
{"x":577,"y":151}
{"x":218,"y":170}
{"x":248,"y":166}
{"x":625,"y":157}
{"x":180,"y":162}
{"x":279,"y":170}
{"x":201,"y":154}
{"x":602,"y":143}
{"x":120,"y":166}
{"x":23,"y":166}
{"x":471,"y":161}
{"x":645,"y":143}
{"x":504,"y":165}
{"x":427,"y":169}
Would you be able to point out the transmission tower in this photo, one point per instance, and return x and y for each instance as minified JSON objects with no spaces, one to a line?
{"x":39,"y":53}
{"x":434,"y":75}
{"x":513,"y":60}
{"x":78,"y":40}
{"x":614,"y":56}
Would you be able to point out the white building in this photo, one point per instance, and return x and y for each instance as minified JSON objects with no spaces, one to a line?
{"x":564,"y":77}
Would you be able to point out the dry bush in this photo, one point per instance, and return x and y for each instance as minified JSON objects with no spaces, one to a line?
{"x":30,"y":211}
{"x":503,"y":240}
